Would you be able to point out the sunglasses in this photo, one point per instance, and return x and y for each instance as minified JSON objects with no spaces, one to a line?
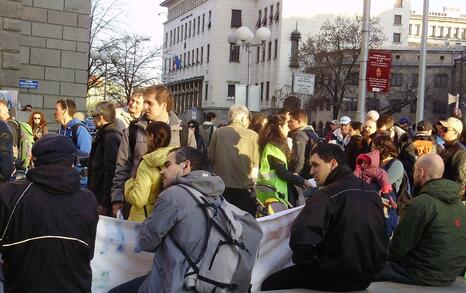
{"x":36,"y":118}
{"x":191,"y":126}
{"x":446,"y":129}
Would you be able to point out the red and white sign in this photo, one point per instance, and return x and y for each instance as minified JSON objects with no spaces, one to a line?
{"x":378,"y":71}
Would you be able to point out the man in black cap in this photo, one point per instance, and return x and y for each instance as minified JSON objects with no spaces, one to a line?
{"x":48,"y":224}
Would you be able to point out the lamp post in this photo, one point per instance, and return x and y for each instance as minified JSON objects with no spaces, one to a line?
{"x":102,"y":56}
{"x":245,"y":36}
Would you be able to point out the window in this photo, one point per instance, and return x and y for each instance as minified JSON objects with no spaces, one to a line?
{"x":185,"y":31}
{"x":202,"y":55}
{"x":463,"y":35}
{"x":206,"y":91}
{"x":198,"y":24}
{"x":277,"y":13}
{"x":441,"y":80}
{"x":171,"y":35}
{"x":263,"y":53}
{"x":267,"y":90}
{"x":208,"y":54}
{"x":395,"y":105}
{"x":264,"y":20}
{"x":275,"y":51}
{"x":189,"y":59}
{"x":434,"y":28}
{"x":397,"y":20}
{"x":396,"y":37}
{"x":259,"y":19}
{"x":177,"y":34}
{"x":189,"y":33}
{"x":194,"y":27}
{"x":269,"y":51}
{"x":209,"y":23}
{"x":197,"y":56}
{"x":410,"y":29}
{"x":192,"y":58}
{"x":235,"y":18}
{"x":165,"y":42}
{"x":181,"y":38}
{"x":184,"y":60}
{"x":258,"y":49}
{"x":203,"y":21}
{"x":234,"y":53}
{"x":398,"y":3}
{"x":231,"y":92}
{"x":418,"y":29}
{"x":262,"y":91}
{"x":396,"y":79}
{"x":439,"y":107}
{"x":448,"y":32}
{"x":414,"y":80}
{"x":456,"y":35}
{"x":271,"y":14}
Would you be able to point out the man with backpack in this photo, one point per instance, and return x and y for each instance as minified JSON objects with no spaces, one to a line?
{"x":22,"y":138}
{"x":73,"y":127}
{"x":304,"y":140}
{"x":208,"y":127}
{"x":201,"y":242}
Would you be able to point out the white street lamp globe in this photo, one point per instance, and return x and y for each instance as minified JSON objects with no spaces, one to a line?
{"x":244,"y":34}
{"x":263,"y":34}
{"x":103,"y":56}
{"x":94,"y":55}
{"x":232,"y":38}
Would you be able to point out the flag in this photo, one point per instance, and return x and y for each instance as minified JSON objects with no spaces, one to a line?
{"x":453,"y":99}
{"x":177,"y":63}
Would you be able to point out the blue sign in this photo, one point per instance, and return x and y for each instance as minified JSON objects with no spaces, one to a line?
{"x":28,"y":84}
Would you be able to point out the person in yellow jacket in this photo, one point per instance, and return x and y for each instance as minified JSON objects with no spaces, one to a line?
{"x":142,"y":191}
{"x":275,"y":153}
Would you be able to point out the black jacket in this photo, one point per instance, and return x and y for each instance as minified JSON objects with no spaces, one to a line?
{"x":37,"y":255}
{"x":356,"y":146}
{"x":454,"y":157}
{"x":102,"y":163}
{"x":341,"y":229}
{"x":304,"y":139}
{"x":6,"y":152}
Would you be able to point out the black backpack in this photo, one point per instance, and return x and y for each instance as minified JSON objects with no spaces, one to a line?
{"x":404,"y":193}
{"x":313,"y":141}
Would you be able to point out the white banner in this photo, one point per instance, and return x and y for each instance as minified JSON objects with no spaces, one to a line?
{"x":117,"y":258}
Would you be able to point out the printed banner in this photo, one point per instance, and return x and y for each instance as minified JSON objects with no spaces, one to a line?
{"x":117,"y":259}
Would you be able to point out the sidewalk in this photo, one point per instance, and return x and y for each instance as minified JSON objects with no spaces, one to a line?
{"x":390,"y":287}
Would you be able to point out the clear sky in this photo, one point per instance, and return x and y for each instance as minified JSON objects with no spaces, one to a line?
{"x":437,"y":5}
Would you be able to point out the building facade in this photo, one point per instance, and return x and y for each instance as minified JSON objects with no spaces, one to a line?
{"x":202,"y":68}
{"x":446,"y":28}
{"x":46,"y":41}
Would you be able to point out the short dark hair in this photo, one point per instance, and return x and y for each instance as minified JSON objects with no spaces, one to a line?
{"x":161,"y":133}
{"x":300,"y":115}
{"x":387,"y":121}
{"x":210,"y":116}
{"x":384,"y":143}
{"x":106,"y":109}
{"x":186,"y":153}
{"x":69,"y":105}
{"x":356,"y":125}
{"x":328,"y":152}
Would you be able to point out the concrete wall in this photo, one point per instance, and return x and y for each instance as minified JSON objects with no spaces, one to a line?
{"x":48,"y":41}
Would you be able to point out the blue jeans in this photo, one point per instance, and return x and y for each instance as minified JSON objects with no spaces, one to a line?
{"x":395,"y":272}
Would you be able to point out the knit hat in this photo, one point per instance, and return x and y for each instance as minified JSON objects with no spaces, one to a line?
{"x":54,"y":149}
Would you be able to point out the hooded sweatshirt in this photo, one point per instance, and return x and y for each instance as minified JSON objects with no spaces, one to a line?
{"x":83,"y":136}
{"x":176,"y":216}
{"x":50,"y":240}
{"x":430,"y":238}
{"x":373,"y":173}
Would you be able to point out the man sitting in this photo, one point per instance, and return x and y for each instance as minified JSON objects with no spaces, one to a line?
{"x":428,"y":246}
{"x":339,"y":239}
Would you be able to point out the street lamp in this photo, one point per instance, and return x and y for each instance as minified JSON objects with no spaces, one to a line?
{"x":103,"y":57}
{"x":245,"y":36}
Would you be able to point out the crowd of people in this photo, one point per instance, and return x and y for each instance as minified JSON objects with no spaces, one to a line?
{"x":382,"y":202}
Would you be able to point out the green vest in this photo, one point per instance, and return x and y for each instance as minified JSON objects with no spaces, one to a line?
{"x":269,"y":177}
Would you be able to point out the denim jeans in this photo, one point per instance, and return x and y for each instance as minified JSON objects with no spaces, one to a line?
{"x":395,"y":272}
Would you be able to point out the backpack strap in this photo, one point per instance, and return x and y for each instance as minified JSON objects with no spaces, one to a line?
{"x":74,"y":132}
{"x":10,"y":217}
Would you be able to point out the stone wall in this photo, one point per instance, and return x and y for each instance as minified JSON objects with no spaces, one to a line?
{"x":48,"y":41}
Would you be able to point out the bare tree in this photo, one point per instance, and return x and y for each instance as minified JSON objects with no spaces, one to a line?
{"x":133,"y":63}
{"x":332,"y":55}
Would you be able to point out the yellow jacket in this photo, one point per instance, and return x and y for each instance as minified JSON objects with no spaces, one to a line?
{"x":143,"y":190}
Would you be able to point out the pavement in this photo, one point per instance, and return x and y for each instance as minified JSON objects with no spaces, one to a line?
{"x":390,"y":287}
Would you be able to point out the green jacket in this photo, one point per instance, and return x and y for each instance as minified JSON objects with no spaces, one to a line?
{"x":269,"y":177}
{"x":431,"y":237}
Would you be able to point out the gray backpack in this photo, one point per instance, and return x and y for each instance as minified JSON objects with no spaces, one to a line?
{"x":231,"y":246}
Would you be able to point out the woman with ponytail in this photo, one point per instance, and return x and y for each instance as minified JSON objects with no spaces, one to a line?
{"x":142,"y":191}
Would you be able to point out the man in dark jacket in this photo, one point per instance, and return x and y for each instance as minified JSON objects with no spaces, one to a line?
{"x":48,"y":224}
{"x":399,"y":136}
{"x":428,"y":245}
{"x":6,"y":152}
{"x":335,"y":247}
{"x":454,"y":153}
{"x":103,"y":155}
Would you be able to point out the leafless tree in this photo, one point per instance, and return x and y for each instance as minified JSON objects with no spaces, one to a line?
{"x":332,"y":55}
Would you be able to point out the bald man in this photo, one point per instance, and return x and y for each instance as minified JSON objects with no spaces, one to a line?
{"x":428,"y":246}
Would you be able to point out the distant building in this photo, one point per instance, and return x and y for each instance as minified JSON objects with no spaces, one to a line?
{"x":202,"y":68}
{"x":446,"y":28}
